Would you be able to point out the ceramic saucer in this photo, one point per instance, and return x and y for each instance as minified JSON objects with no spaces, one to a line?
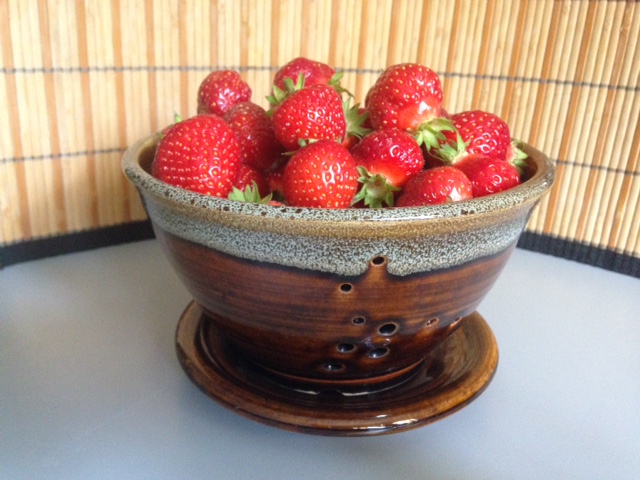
{"x":453,"y":375}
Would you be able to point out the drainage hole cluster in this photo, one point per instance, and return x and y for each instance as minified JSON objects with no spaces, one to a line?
{"x":385,"y":330}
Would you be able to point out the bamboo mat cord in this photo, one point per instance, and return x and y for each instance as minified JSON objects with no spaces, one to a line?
{"x":81,"y":80}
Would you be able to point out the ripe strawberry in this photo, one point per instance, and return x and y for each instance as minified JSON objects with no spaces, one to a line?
{"x":435,"y":186}
{"x":477,"y":133}
{"x":386,"y":160}
{"x":312,"y":113}
{"x":482,"y":132}
{"x":408,"y":96}
{"x":313,"y":72}
{"x":221,"y":90}
{"x":488,"y":175}
{"x":258,"y":143}
{"x":321,"y":175}
{"x":275,"y":175}
{"x":201,"y":154}
{"x":248,"y":176}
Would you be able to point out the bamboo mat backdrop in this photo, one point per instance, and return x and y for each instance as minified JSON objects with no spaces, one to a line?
{"x":82,"y":80}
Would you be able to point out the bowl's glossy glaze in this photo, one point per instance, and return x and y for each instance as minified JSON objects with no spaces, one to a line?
{"x":343,"y":299}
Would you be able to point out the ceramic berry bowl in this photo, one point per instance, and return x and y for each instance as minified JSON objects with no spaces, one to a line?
{"x":337,"y":322}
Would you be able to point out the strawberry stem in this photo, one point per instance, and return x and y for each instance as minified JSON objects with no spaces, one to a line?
{"x":451,"y":152}
{"x":355,"y":119}
{"x":376,"y":191}
{"x":430,"y":133}
{"x":279,"y":95}
{"x":250,"y":194}
{"x":518,"y":156}
{"x":337,"y":86}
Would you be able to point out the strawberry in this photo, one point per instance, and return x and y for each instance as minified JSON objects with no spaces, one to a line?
{"x":408,"y":96}
{"x":259,"y":145}
{"x":275,"y":175}
{"x":248,"y":176}
{"x":311,"y":113}
{"x":313,"y":72}
{"x":321,"y":175}
{"x":488,"y":175}
{"x":221,"y":90}
{"x":482,"y":133}
{"x":386,"y":160}
{"x":435,"y":186}
{"x":201,"y":154}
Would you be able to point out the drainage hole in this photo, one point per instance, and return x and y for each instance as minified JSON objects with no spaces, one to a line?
{"x":333,"y":366}
{"x":431,"y":322}
{"x":378,"y":352}
{"x":388,"y":329}
{"x":358,"y":320}
{"x":346,"y":347}
{"x":378,"y":261}
{"x":456,"y":320}
{"x":346,"y":287}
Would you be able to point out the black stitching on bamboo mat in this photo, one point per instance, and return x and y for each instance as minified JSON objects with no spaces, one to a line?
{"x":581,"y":253}
{"x":207,"y":68}
{"x":52,"y":156}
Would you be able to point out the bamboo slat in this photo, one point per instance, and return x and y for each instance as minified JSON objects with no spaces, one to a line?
{"x":82,"y":80}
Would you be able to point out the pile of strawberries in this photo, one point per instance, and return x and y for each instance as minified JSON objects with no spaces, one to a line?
{"x":315,"y":148}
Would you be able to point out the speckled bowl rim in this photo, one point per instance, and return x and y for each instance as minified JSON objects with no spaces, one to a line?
{"x":530,"y":190}
{"x":343,"y":242}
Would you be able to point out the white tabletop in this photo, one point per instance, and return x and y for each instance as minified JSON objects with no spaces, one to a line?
{"x":90,"y":385}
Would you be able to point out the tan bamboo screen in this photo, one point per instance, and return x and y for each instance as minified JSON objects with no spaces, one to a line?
{"x":82,"y":80}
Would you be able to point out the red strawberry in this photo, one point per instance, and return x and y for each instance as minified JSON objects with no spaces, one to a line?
{"x":312,"y":113}
{"x":321,"y":175}
{"x":220,"y":91}
{"x":201,"y":154}
{"x":313,"y":72}
{"x":488,"y":175}
{"x":258,"y":142}
{"x":483,"y":132}
{"x":408,"y":96}
{"x":386,"y":160}
{"x":478,"y":133}
{"x":275,"y":175}
{"x":435,"y":186}
{"x":248,"y":176}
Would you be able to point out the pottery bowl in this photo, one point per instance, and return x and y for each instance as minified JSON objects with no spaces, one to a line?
{"x":344,"y":300}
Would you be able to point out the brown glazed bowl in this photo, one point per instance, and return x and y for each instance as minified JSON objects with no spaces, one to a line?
{"x":346,"y":300}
